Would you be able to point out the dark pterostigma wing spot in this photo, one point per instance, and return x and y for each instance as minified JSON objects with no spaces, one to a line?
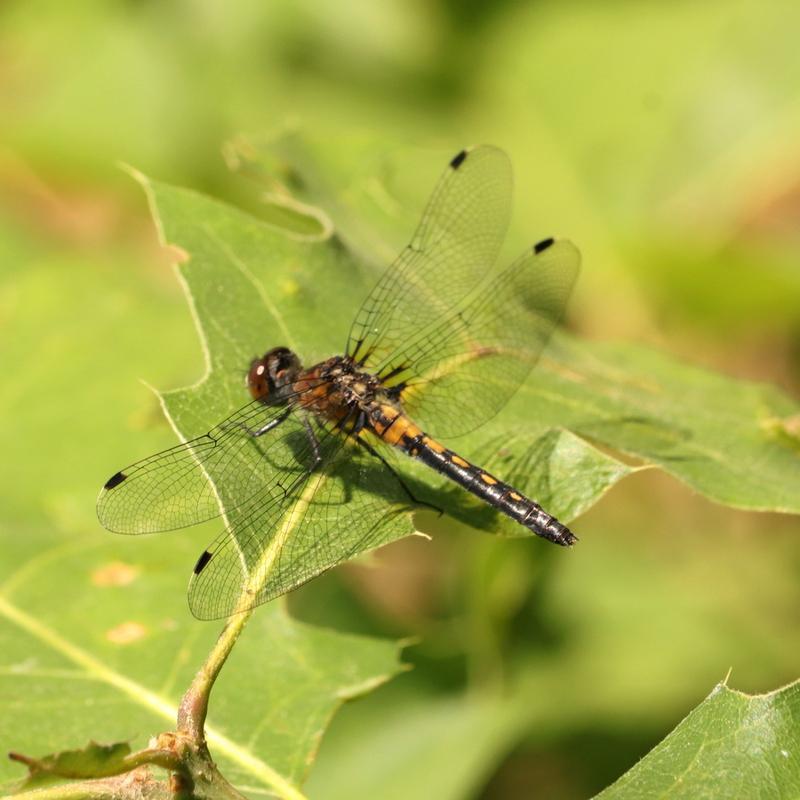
{"x":540,"y":247}
{"x":115,"y":480}
{"x":459,"y":159}
{"x":205,"y":557}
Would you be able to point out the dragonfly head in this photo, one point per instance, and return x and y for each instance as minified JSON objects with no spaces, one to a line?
{"x":277,"y":368}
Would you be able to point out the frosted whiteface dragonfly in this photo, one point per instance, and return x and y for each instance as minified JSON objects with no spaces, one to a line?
{"x":301,"y":471}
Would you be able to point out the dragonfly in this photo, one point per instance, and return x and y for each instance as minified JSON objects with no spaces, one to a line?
{"x":306,"y":474}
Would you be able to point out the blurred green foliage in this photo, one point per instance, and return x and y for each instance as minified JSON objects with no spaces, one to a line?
{"x":662,"y":138}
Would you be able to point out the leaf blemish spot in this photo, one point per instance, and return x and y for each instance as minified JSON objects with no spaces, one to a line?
{"x":176,"y":255}
{"x":126,"y":633}
{"x":115,"y":573}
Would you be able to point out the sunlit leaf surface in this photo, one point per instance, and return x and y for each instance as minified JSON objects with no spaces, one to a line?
{"x":731,"y":745}
{"x":112,"y":665}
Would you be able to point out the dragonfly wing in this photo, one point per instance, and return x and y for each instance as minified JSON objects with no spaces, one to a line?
{"x":179,"y":486}
{"x":457,"y":241}
{"x":483,"y":352}
{"x":306,"y":523}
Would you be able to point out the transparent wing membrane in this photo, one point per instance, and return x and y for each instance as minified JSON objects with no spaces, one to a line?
{"x":298,"y":499}
{"x":305,"y":522}
{"x":457,"y":241}
{"x":171,"y":489}
{"x":441,"y":324}
{"x":483,"y":352}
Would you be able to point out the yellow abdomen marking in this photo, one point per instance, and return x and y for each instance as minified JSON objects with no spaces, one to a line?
{"x":488,"y":479}
{"x":433,"y":444}
{"x":459,"y":461}
{"x":397,"y":426}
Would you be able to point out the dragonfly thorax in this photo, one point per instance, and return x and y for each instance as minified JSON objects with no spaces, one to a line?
{"x":356,"y":388}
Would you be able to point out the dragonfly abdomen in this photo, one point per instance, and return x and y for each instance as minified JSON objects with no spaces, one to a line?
{"x":491,"y":490}
{"x":398,"y":430}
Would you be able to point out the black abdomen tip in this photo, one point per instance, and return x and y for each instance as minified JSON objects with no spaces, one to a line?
{"x":205,"y":557}
{"x":558,"y":533}
{"x":115,"y":480}
{"x":568,"y":538}
{"x":540,"y":247}
{"x":458,"y":160}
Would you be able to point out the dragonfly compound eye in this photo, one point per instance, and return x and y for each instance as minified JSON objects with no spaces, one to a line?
{"x":276,"y":369}
{"x":258,"y":381}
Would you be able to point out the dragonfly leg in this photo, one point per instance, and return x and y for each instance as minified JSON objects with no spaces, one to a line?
{"x":372,"y":451}
{"x":255,"y":432}
{"x":313,"y":441}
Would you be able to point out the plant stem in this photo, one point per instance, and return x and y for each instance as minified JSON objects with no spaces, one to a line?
{"x":194,"y":704}
{"x":193,"y":708}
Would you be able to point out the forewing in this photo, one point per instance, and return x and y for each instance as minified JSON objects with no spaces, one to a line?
{"x":306,"y":523}
{"x":173,"y":489}
{"x":457,"y":241}
{"x":463,"y":370}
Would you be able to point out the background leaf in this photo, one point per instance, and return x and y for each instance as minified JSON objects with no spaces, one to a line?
{"x":731,"y":745}
{"x":93,"y":761}
{"x":120,"y":676}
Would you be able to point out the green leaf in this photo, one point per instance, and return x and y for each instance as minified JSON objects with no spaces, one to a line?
{"x":729,"y":439}
{"x":467,"y":734}
{"x":731,"y":745}
{"x":93,"y":761}
{"x":565,"y":473}
{"x":96,"y":641}
{"x":112,"y":664}
{"x":559,"y":436}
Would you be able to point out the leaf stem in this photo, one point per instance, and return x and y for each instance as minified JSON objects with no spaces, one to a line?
{"x":193,"y":708}
{"x":194,"y":704}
